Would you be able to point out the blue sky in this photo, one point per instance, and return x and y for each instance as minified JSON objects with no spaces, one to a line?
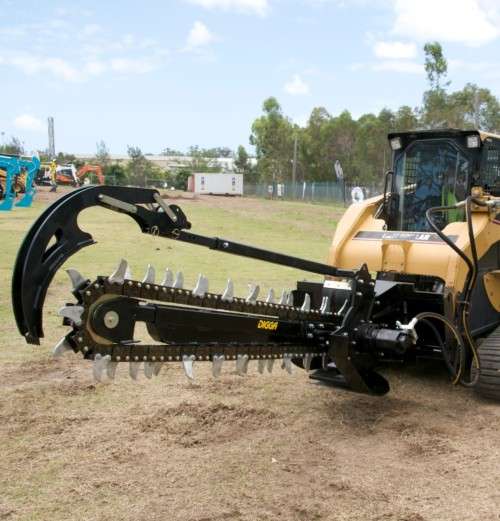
{"x":184,"y":72}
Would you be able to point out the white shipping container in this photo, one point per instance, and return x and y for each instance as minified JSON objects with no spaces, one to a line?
{"x":216,"y":184}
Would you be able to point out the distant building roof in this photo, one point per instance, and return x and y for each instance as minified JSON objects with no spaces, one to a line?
{"x":173,"y":162}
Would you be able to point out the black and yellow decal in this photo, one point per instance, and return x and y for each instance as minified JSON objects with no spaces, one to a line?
{"x":269,"y":325}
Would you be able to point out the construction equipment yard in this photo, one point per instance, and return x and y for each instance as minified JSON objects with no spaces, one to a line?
{"x":257,"y":447}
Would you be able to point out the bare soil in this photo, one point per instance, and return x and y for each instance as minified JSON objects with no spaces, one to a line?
{"x":272,"y":447}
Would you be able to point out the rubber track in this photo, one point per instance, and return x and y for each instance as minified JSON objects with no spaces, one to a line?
{"x":489,"y":379}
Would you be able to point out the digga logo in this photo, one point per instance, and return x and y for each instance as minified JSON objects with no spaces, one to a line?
{"x":270,"y":325}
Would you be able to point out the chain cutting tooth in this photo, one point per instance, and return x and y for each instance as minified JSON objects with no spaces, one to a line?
{"x":111,"y":370}
{"x":168,"y":280}
{"x":201,"y":287}
{"x":324,"y":363}
{"x":284,"y":297}
{"x":289,"y":300}
{"x":270,"y":364}
{"x":253,"y":293}
{"x":228,"y":295}
{"x":261,"y":365}
{"x":62,"y":347}
{"x":120,"y":274}
{"x":217,"y":361}
{"x":325,"y":305}
{"x":242,"y":364}
{"x":179,"y":280}
{"x":149,"y":277}
{"x":270,"y":296}
{"x":187,"y":364}
{"x":306,"y":306}
{"x":157,"y":368}
{"x":77,"y":279}
{"x":128,"y":273}
{"x":306,"y":361}
{"x":148,"y":370}
{"x":74,"y":313}
{"x":100,"y":367}
{"x":287,"y":363}
{"x":133,"y":370}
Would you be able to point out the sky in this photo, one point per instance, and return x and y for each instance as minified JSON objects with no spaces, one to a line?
{"x":176,"y":73}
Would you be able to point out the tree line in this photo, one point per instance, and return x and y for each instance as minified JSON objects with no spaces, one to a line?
{"x":284,"y":150}
{"x":361,"y":144}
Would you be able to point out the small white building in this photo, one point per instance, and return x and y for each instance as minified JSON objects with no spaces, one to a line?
{"x":216,"y":184}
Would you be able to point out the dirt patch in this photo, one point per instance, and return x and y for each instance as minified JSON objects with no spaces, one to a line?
{"x":192,"y":425}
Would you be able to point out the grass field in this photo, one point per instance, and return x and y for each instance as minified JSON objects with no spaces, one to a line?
{"x":271,"y":447}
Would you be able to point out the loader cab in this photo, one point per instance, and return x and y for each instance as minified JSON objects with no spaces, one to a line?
{"x":439,"y":168}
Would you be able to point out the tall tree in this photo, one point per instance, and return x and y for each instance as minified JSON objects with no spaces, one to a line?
{"x":140,"y":171}
{"x":273,"y":135}
{"x":241,"y":162}
{"x":436,"y":65}
{"x":102,"y":154}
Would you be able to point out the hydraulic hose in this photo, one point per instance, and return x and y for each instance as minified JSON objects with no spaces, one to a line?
{"x":452,"y":367}
{"x":457,"y":375}
{"x":470,"y":281}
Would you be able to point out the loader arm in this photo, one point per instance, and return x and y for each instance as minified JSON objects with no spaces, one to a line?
{"x":194,"y":325}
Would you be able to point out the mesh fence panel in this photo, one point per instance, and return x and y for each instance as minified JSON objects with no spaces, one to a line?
{"x":309,"y":191}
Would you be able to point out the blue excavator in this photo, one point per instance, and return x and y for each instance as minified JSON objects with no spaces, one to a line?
{"x":17,"y":176}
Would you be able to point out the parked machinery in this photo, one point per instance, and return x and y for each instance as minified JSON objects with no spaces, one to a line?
{"x":17,"y":176}
{"x":69,"y":175}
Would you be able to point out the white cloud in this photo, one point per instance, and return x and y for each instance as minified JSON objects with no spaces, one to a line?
{"x":28,"y":122}
{"x":259,"y":7}
{"x":402,"y":66}
{"x":296,"y":86}
{"x":405,"y":66}
{"x":67,"y":51}
{"x":199,"y":36}
{"x":472,"y":22}
{"x":395,"y":50}
{"x":31,"y":64}
{"x":91,"y":29}
{"x":134,"y":66}
{"x":94,"y":68}
{"x":62,"y":70}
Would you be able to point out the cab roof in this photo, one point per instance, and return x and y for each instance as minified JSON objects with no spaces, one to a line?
{"x":411,"y":135}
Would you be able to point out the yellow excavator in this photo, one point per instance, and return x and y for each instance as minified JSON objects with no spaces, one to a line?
{"x":413,"y":273}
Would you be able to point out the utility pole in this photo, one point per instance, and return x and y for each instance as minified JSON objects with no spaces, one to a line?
{"x":294,"y":165}
{"x":52,"y":146}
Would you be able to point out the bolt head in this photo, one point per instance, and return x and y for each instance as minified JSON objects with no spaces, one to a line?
{"x":111,"y":319}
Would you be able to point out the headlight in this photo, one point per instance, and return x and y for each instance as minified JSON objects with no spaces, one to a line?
{"x":473,"y":141}
{"x":396,"y":143}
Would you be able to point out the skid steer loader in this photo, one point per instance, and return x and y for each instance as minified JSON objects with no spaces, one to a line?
{"x":412,"y":273}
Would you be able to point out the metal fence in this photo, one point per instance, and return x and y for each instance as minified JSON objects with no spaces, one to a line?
{"x":337,"y":192}
{"x":311,"y":191}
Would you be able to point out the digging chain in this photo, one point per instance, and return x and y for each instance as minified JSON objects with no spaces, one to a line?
{"x":83,"y":339}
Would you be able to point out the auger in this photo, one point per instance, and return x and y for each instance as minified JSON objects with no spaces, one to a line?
{"x":413,"y":273}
